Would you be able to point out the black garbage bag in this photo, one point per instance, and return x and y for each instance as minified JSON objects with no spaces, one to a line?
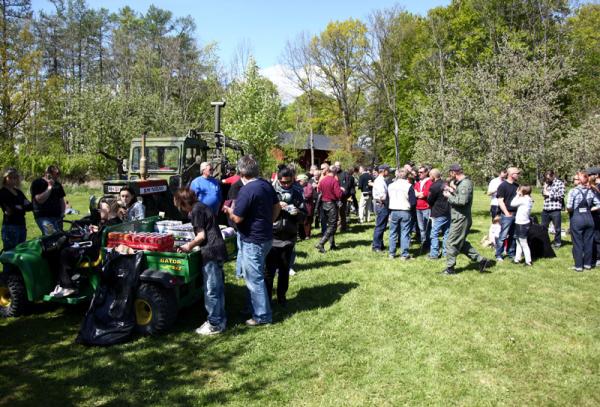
{"x":539,"y":242}
{"x":110,"y":318}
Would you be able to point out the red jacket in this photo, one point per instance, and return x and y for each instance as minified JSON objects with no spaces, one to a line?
{"x":330,"y":189}
{"x":422,"y":202}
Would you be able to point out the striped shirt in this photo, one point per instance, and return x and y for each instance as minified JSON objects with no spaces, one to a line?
{"x":556,"y":193}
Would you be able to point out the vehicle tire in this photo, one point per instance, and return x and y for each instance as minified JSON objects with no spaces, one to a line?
{"x":155,"y":309}
{"x":13,"y":296}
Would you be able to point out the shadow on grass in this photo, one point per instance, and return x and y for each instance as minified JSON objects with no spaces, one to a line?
{"x":474,"y":266}
{"x":319,"y":264}
{"x":314,"y":297}
{"x":350,"y":244}
{"x":360,"y":227}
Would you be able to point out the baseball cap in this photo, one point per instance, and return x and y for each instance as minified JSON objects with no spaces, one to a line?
{"x":383,"y":167}
{"x":455,"y":167}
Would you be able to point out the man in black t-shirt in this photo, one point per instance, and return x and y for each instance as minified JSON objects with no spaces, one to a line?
{"x":505,"y":194}
{"x":48,"y":198}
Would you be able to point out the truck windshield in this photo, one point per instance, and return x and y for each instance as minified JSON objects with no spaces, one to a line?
{"x":157,"y":159}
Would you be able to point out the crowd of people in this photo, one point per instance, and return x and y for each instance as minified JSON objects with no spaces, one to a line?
{"x":425,"y":206}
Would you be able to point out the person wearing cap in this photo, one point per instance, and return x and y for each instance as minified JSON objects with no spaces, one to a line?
{"x":14,"y":205}
{"x":505,"y":194}
{"x":380,"y":203}
{"x":460,"y":198}
{"x":207,"y":188}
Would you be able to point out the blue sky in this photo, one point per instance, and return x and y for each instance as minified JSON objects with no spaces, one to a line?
{"x":266,"y":24}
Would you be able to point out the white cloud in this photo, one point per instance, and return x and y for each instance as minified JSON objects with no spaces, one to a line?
{"x":288,"y":91}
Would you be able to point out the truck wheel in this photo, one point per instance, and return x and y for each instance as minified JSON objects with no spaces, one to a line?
{"x":155,"y":309}
{"x":13,"y":296}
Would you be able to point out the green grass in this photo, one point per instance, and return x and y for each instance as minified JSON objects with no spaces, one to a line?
{"x":359,"y":329}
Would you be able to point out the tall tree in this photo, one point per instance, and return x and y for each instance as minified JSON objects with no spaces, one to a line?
{"x":253,"y":113}
{"x":297,"y":59}
{"x":19,"y":67}
{"x":338,"y":52}
{"x":388,"y":61}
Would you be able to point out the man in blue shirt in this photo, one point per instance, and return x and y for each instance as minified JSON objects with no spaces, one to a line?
{"x":207,"y":188}
{"x":254,"y":211}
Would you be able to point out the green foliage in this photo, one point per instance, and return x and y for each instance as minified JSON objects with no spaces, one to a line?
{"x":584,"y":34}
{"x":504,"y":112}
{"x":253,"y":114}
{"x":80,"y":80}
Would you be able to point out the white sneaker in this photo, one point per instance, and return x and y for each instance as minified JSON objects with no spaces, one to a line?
{"x":55,"y":291}
{"x":292,"y":272}
{"x":209,"y":329}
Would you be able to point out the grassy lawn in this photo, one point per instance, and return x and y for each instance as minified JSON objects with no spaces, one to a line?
{"x":359,"y":329}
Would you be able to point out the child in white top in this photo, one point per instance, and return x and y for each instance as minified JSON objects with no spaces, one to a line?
{"x":523,"y":202}
{"x":493,"y":233}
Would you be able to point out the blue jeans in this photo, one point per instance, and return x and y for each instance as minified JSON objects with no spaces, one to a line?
{"x":440,"y":225}
{"x":507,"y":232}
{"x":400,"y":221}
{"x":252,"y":261}
{"x":49,"y":226}
{"x":12,"y":235}
{"x":214,"y":292}
{"x":380,"y":224}
{"x":422,"y":218}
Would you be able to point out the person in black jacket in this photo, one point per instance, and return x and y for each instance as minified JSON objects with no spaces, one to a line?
{"x":14,"y":205}
{"x":285,"y":233}
{"x":348,"y":186}
{"x":440,"y":214}
{"x":70,"y":255}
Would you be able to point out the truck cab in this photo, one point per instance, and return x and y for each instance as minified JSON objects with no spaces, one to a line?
{"x":174,"y":159}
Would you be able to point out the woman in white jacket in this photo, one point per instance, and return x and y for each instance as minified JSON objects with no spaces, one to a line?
{"x":523,"y":203}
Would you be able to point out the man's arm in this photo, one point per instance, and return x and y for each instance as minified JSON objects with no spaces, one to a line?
{"x":503,"y":207}
{"x":461,"y":195}
{"x":234,"y":218}
{"x":200,"y":237}
{"x":43,"y":197}
{"x":492,"y":188}
{"x":276,"y":211}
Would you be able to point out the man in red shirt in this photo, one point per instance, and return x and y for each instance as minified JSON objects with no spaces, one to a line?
{"x":421,"y":188}
{"x":331,"y":193}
